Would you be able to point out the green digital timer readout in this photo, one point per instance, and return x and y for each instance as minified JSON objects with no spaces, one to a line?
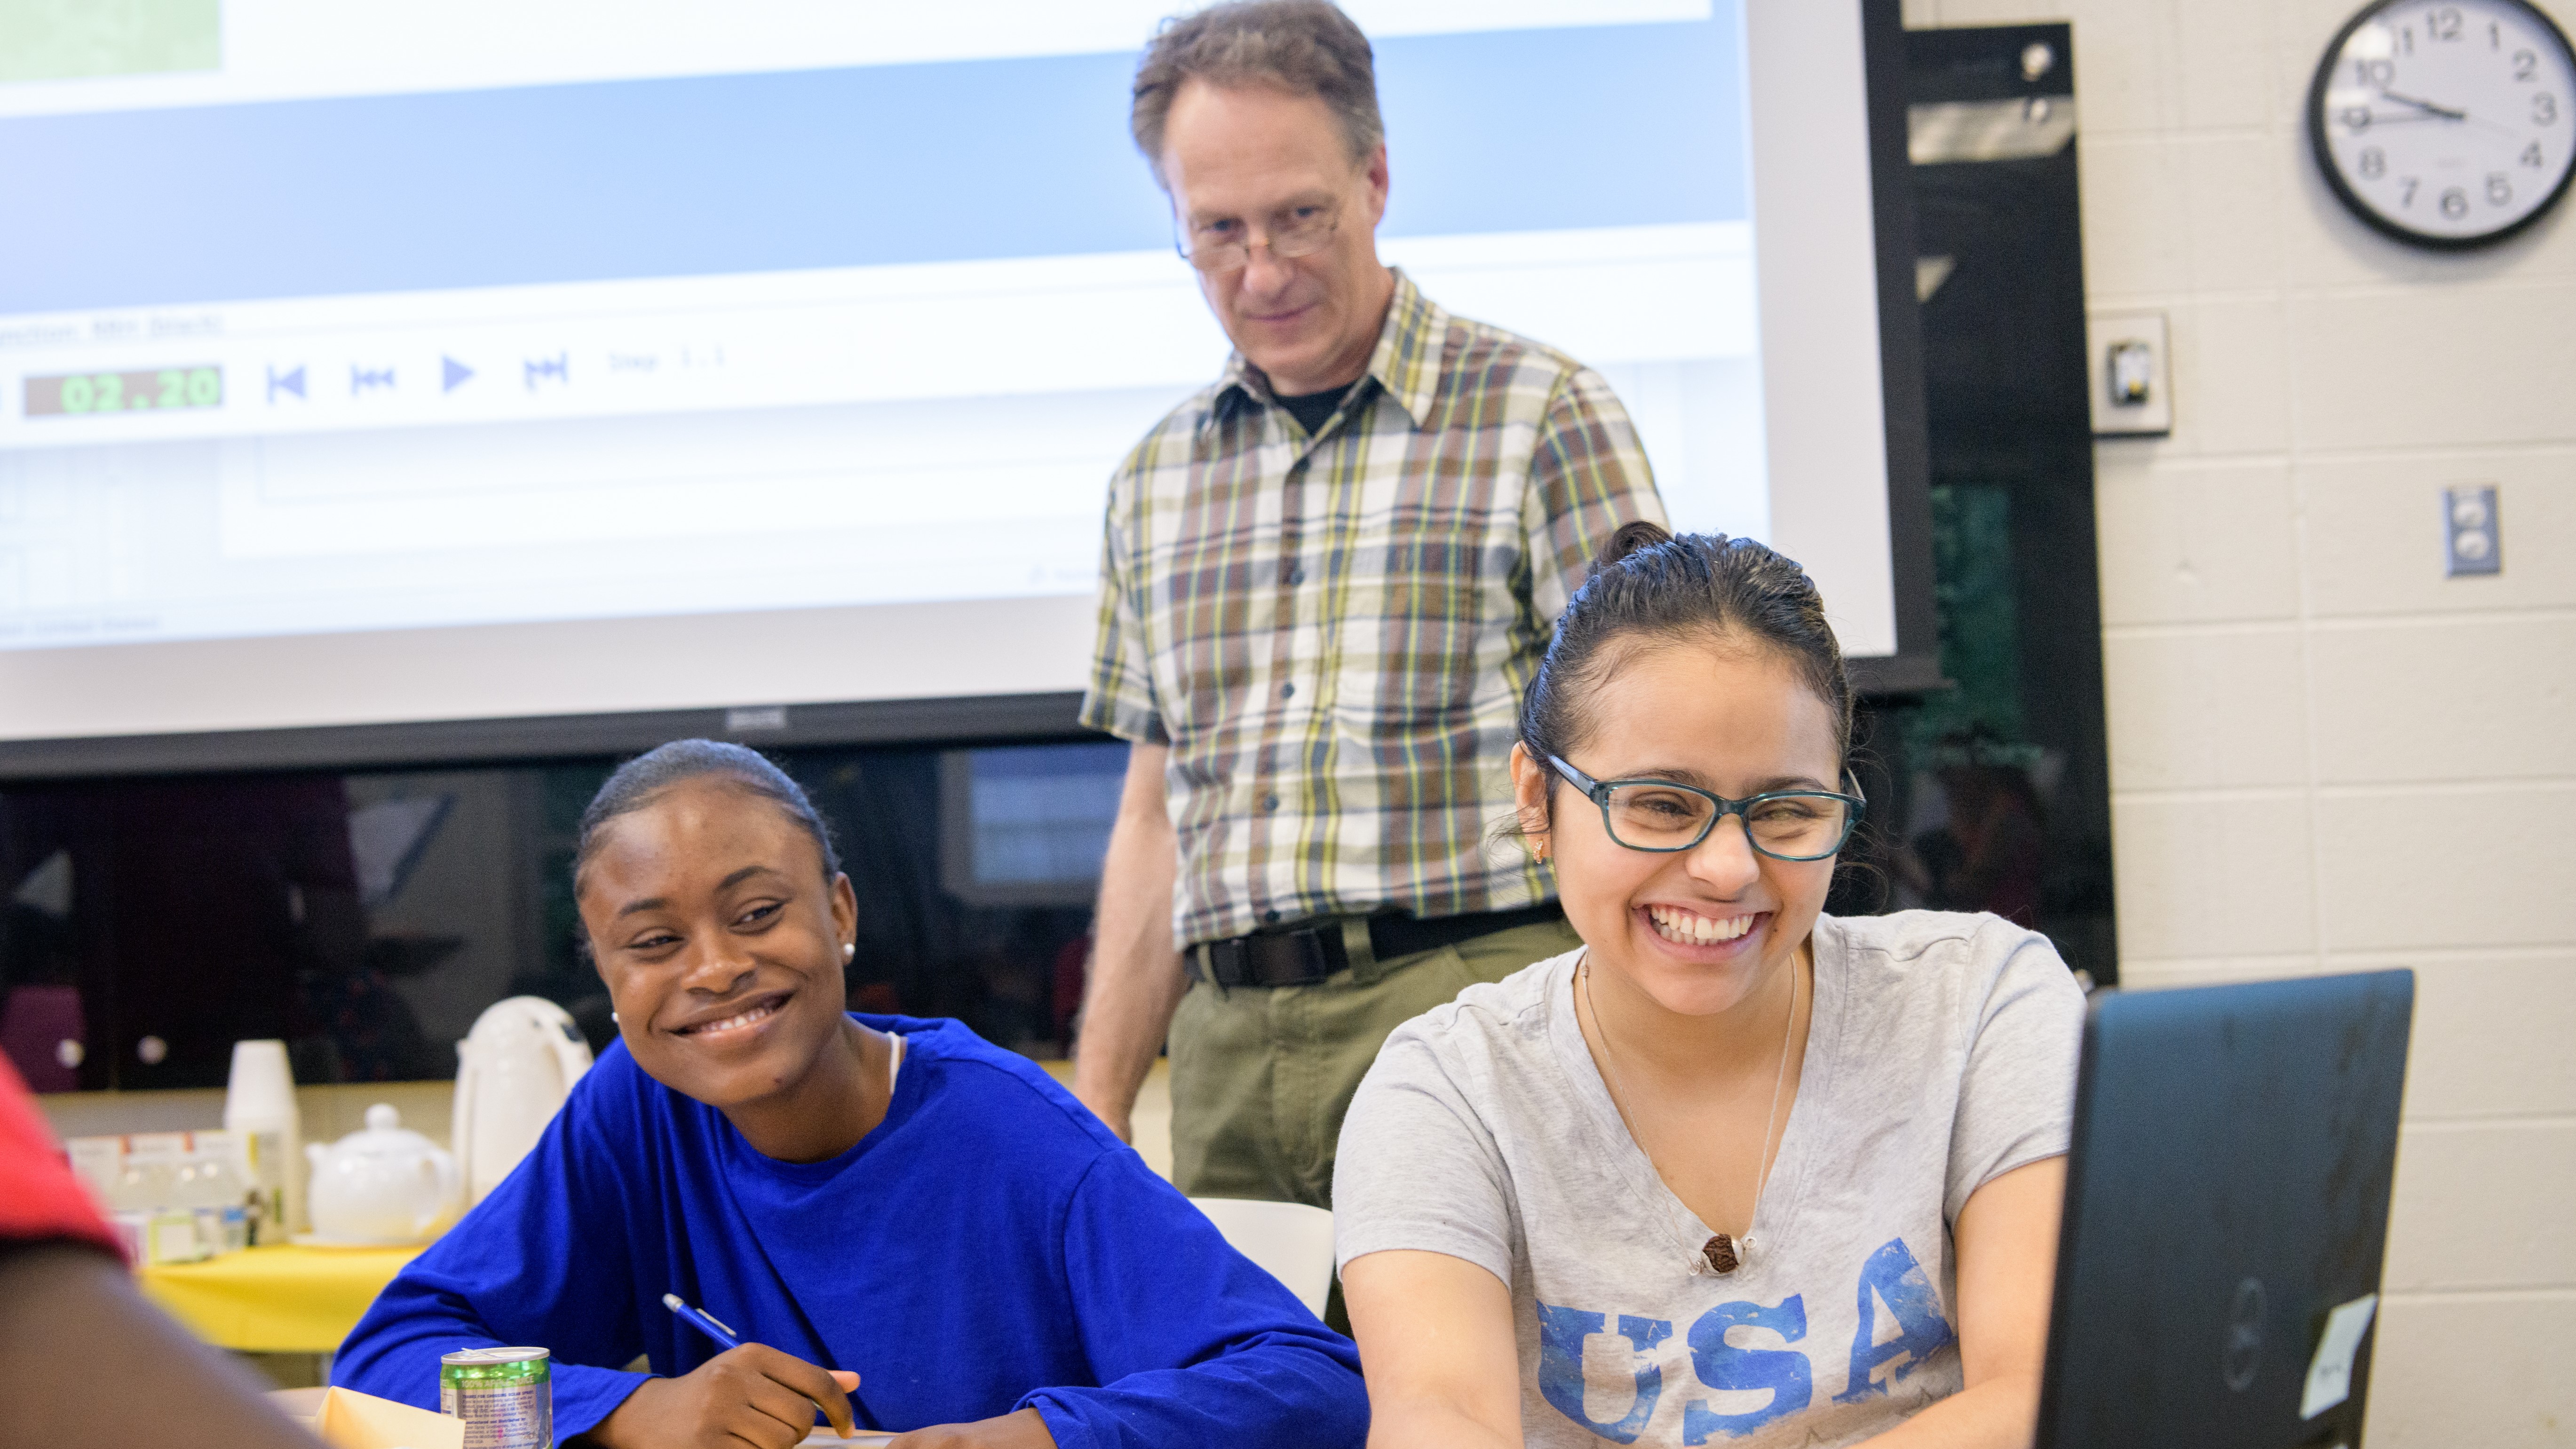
{"x":76,"y":394}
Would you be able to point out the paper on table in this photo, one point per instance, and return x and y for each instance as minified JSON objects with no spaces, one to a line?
{"x":352,"y":1420}
{"x":864,"y":1439}
{"x":2330,"y":1372}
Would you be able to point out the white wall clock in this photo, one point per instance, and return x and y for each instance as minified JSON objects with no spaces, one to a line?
{"x":2446,"y":123}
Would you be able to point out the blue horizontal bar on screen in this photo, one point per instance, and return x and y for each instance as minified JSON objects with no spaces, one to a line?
{"x":1488,"y":131}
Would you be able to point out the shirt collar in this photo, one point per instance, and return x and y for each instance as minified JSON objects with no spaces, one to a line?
{"x":1406,"y":363}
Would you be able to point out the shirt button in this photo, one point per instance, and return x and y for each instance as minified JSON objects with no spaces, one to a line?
{"x":1269,"y":802}
{"x":1296,"y":576}
{"x":1286,"y":690}
{"x":1270,"y":917}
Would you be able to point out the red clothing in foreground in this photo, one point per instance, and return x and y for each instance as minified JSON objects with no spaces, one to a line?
{"x":39,"y":1197}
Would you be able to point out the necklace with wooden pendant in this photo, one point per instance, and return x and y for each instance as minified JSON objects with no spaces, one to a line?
{"x":1723,"y":1253}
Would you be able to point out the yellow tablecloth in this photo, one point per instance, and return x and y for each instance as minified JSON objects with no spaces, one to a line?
{"x":276,"y":1300}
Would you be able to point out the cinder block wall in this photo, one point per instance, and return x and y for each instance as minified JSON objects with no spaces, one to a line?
{"x":2324,"y":755}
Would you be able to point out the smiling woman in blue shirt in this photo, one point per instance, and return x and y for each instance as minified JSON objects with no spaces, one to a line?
{"x":910,"y":1229}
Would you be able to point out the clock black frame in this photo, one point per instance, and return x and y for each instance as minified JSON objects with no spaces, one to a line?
{"x":2353,"y":202}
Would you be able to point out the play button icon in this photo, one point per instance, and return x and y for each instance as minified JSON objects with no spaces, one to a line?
{"x":452,"y":372}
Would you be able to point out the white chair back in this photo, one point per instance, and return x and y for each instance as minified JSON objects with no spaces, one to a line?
{"x":1289,"y":1240}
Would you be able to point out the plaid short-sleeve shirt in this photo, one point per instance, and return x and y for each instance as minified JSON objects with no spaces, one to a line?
{"x":1332,"y":631}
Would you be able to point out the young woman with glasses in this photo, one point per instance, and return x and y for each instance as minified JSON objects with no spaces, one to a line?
{"x":1736,"y":1170}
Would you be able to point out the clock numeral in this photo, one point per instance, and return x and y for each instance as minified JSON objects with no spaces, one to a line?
{"x":2375,"y":72}
{"x":2442,"y":24}
{"x":2406,"y":40}
{"x":2357,"y":117}
{"x":2544,"y":109}
{"x":2525,"y":65}
{"x":2407,"y":197}
{"x":2374,"y":162}
{"x":2455,"y":203}
{"x":2499,"y":190}
{"x":2531,"y":155}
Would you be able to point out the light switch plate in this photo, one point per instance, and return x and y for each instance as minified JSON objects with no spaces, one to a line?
{"x":2472,"y":531}
{"x":2129,"y":374}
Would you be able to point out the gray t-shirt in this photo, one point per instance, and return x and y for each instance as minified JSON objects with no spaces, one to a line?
{"x":1942,"y":1054}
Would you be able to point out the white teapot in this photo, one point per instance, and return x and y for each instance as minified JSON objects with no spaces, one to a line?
{"x":384,"y":1185}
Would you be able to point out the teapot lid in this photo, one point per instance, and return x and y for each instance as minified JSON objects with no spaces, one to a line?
{"x":385,"y":1136}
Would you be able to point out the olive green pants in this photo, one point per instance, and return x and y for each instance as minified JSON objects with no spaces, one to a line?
{"x":1261,"y":1076}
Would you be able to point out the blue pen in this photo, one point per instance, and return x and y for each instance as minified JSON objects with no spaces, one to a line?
{"x":705,"y":1322}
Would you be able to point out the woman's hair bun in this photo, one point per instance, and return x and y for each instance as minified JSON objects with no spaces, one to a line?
{"x":1650,"y":584}
{"x":1631,"y":538}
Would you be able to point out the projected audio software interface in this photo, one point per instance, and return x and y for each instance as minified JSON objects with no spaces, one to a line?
{"x":984,"y":328}
{"x":609,"y":448}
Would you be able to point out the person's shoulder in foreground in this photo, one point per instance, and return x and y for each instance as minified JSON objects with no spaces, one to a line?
{"x":89,"y":1364}
{"x":40,"y":1199}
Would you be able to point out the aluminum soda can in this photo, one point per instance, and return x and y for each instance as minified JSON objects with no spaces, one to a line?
{"x":506,"y":1396}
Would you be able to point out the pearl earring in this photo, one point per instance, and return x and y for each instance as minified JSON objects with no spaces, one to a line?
{"x":849,"y":951}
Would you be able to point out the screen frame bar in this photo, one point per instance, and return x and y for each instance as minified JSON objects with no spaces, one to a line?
{"x":1915,"y":668}
{"x":927,"y":723}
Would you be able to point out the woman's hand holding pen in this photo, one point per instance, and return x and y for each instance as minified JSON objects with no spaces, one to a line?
{"x":752,"y":1395}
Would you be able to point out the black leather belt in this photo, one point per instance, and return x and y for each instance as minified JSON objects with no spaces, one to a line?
{"x":1304,"y":954}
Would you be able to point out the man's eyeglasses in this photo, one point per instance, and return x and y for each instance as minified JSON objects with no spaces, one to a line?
{"x":1665,"y":816}
{"x":1226,"y":246}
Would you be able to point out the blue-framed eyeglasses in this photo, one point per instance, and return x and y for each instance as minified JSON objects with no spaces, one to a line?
{"x":1665,"y":816}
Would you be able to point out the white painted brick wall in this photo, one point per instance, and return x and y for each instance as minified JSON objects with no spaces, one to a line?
{"x":2324,"y":755}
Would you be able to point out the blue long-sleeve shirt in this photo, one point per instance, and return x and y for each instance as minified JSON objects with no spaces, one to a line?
{"x":990,"y":1246}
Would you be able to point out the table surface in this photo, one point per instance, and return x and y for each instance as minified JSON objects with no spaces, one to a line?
{"x":302,"y":1404}
{"x":287,"y":1299}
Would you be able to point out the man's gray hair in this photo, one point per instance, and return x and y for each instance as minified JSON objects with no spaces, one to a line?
{"x":1307,"y":47}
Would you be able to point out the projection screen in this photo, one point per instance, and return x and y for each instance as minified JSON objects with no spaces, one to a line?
{"x":495,"y":360}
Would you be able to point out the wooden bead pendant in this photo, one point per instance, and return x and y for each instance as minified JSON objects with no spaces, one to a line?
{"x":1721,"y":1254}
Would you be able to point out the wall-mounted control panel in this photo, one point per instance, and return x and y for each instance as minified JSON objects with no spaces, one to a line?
{"x":2131,"y":369}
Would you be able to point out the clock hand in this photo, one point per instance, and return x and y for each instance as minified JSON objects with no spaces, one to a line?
{"x":2432,"y":111}
{"x":2427,"y":106}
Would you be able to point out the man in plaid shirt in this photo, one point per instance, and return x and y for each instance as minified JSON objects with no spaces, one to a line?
{"x":1324,"y":582}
